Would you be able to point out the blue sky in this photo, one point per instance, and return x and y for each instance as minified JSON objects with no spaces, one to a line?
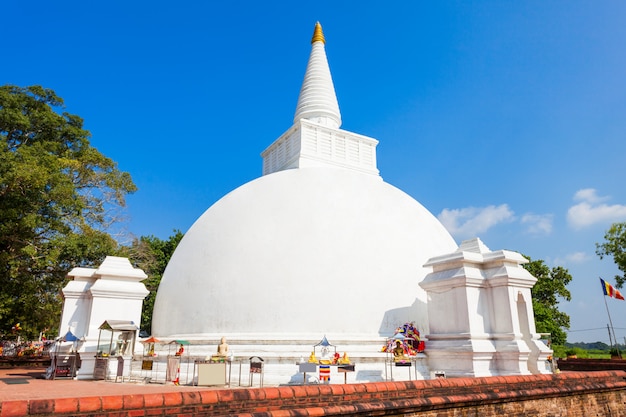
{"x":507,"y":120}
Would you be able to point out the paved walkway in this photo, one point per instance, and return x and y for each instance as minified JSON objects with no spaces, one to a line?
{"x":27,"y":383}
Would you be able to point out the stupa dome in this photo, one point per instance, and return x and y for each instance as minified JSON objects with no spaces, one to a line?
{"x":319,"y":245}
{"x":302,"y":251}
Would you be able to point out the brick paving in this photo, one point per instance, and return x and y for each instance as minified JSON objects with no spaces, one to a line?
{"x":35,"y":387}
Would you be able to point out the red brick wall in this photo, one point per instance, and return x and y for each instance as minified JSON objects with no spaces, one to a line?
{"x":587,"y":365}
{"x":574,"y":394}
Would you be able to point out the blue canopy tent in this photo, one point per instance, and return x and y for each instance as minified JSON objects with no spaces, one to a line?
{"x":69,"y":337}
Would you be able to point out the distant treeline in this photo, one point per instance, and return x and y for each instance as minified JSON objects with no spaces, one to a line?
{"x":594,"y":346}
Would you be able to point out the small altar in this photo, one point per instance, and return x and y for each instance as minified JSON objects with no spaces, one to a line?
{"x":410,"y":363}
{"x":308,"y":367}
{"x":328,"y":361}
{"x":404,"y":349}
{"x":116,"y":342}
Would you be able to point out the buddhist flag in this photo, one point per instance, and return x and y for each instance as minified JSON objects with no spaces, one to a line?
{"x":610,"y":291}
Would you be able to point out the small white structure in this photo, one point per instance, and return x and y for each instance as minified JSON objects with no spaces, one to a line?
{"x":113,"y":291}
{"x":481,"y":315}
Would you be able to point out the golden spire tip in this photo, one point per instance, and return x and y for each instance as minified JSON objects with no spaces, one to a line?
{"x":318,"y":35}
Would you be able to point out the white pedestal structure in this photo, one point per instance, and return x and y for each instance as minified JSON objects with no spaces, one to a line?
{"x":480,"y":314}
{"x":113,"y":291}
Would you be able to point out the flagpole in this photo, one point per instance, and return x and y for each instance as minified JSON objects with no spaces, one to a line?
{"x":608,"y":329}
{"x":611,"y":329}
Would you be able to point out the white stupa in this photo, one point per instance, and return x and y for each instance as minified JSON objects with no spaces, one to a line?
{"x":318,"y":246}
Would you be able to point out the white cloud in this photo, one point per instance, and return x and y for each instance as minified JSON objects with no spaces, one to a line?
{"x":589,"y":195}
{"x":538,"y":224}
{"x":577,"y":257}
{"x":472,"y":221}
{"x":572,"y":258}
{"x":591,"y":210}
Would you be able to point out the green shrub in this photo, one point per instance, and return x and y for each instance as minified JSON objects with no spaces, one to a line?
{"x":579,"y":352}
{"x":559,"y":351}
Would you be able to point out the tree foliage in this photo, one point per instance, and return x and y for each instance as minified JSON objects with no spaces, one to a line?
{"x":58,"y":196}
{"x":615,"y":245}
{"x":550,"y":288}
{"x":152,"y":254}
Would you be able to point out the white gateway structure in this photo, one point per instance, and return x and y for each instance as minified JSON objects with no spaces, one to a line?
{"x":318,"y":246}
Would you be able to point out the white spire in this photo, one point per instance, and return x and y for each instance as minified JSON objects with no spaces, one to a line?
{"x":315,"y":139}
{"x":317,"y":101}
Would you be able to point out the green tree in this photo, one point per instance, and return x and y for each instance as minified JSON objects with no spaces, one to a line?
{"x":152,"y":254}
{"x":58,"y":197}
{"x":615,"y":246}
{"x":551,"y":286}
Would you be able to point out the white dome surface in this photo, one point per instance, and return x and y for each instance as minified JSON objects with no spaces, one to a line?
{"x":310,"y":251}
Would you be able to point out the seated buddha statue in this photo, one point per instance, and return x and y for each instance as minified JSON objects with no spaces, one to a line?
{"x":345,"y":360}
{"x":398,"y":352}
{"x":180,"y":350}
{"x":326,"y":356}
{"x":222,"y":349}
{"x":222,"y":352}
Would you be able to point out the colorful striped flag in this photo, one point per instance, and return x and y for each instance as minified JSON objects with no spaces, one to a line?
{"x":325,"y":373}
{"x":610,"y":291}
